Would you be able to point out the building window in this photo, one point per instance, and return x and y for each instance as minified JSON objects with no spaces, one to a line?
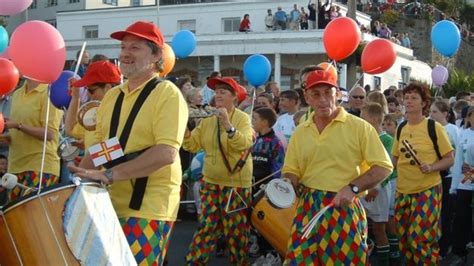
{"x":406,"y":72}
{"x":91,"y":32}
{"x":135,"y":3}
{"x":231,"y":24}
{"x":34,"y":4}
{"x":52,"y":3}
{"x":110,"y":2}
{"x":187,"y":25}
{"x":285,"y":82}
{"x":52,"y":22}
{"x":74,"y":1}
{"x":377,"y":83}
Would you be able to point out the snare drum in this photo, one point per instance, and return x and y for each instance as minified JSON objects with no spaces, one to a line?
{"x":67,"y":151}
{"x":32,"y":230}
{"x":273,"y":213}
{"x":86,"y":115}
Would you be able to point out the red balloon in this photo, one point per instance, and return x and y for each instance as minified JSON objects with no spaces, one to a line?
{"x":341,"y":38}
{"x":9,"y":76}
{"x":378,"y":56}
{"x":38,"y":51}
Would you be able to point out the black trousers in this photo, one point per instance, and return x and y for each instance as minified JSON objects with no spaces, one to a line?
{"x":462,"y":222}
{"x":447,"y":211}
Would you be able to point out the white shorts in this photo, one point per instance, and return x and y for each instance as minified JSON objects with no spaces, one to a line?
{"x":377,"y":210}
{"x":393,"y":190}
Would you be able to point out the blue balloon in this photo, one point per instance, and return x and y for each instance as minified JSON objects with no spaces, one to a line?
{"x":196,"y":166}
{"x":183,"y":43}
{"x":257,"y":70}
{"x":59,"y":90}
{"x":446,"y":38}
{"x":3,"y":39}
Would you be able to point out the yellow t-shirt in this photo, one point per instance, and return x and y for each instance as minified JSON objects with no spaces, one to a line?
{"x":204,"y":137}
{"x":25,"y":150}
{"x":161,"y":120}
{"x":79,"y":132}
{"x":331,"y":160}
{"x":410,"y":178}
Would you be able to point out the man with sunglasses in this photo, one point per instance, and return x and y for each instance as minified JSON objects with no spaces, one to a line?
{"x":356,"y":100}
{"x":322,"y":162}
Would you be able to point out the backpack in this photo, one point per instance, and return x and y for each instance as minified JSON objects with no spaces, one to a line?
{"x":433,"y":137}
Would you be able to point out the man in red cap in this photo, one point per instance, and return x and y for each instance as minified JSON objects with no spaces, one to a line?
{"x":322,"y":162}
{"x":149,"y":118}
{"x":227,"y":175}
{"x":98,"y":79}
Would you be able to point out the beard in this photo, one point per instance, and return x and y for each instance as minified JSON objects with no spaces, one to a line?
{"x":135,"y":69}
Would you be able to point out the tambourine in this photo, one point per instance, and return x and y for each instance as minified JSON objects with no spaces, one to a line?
{"x":86,"y":115}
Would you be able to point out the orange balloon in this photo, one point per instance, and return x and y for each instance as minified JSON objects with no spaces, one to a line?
{"x":2,"y":123}
{"x":329,"y":67}
{"x":169,"y":60}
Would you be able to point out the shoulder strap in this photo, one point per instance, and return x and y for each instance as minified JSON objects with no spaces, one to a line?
{"x":140,"y":183}
{"x":434,"y":137}
{"x":399,"y":129}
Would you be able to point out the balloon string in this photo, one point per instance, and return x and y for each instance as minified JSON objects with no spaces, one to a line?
{"x":357,"y":82}
{"x":45,"y":140}
{"x":79,"y":59}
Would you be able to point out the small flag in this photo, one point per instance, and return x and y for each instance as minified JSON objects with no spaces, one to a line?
{"x":106,"y":151}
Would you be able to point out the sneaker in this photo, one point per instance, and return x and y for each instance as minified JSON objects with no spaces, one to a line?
{"x":272,"y":260}
{"x":470,"y":245}
{"x":259,"y":262}
{"x":457,"y":260}
{"x":371,"y":246}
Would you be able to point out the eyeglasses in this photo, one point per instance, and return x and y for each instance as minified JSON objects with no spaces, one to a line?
{"x":358,"y":97}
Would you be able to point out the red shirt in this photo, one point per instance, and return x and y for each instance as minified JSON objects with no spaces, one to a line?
{"x":245,"y":24}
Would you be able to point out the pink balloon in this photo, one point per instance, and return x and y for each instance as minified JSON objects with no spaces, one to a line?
{"x":12,"y":7}
{"x":38,"y":51}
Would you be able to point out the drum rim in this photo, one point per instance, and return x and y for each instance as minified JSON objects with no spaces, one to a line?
{"x":35,"y":195}
{"x":82,"y":111}
{"x":292,"y":191}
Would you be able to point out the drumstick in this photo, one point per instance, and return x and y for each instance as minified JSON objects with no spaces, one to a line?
{"x":79,"y":59}
{"x":409,"y":148}
{"x":312,"y":223}
{"x":267,"y":177}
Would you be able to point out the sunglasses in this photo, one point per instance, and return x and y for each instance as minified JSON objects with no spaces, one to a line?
{"x":358,"y":97}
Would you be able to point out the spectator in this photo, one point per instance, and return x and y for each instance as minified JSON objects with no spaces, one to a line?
{"x":303,"y":19}
{"x":333,"y":13}
{"x":294,"y":18}
{"x":83,"y":64}
{"x":208,"y":93}
{"x":385,"y":32}
{"x":245,"y":24}
{"x":269,"y":20}
{"x":184,"y":84}
{"x":312,"y":15}
{"x":265,"y":100}
{"x":406,"y":40}
{"x":338,"y":12}
{"x":393,"y":104}
{"x":280,"y":19}
{"x":376,"y":28}
{"x":356,"y":100}
{"x":323,"y":16}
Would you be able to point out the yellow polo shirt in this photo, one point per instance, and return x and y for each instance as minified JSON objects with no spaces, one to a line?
{"x":25,"y":150}
{"x":79,"y":132}
{"x":161,"y":120}
{"x":330,"y":160}
{"x":204,"y":137}
{"x":410,"y":178}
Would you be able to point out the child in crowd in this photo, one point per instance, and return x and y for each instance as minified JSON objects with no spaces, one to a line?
{"x":389,"y":124}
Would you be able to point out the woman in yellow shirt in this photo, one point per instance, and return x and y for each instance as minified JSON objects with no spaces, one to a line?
{"x":99,"y":78}
{"x":27,"y":125}
{"x":225,"y":193}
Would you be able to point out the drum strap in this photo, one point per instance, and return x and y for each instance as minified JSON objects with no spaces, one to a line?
{"x":243,"y":158}
{"x":140,"y":183}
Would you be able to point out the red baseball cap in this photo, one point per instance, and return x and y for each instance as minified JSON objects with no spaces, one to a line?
{"x":236,"y":87}
{"x":99,"y":72}
{"x":317,"y":77}
{"x":142,"y":29}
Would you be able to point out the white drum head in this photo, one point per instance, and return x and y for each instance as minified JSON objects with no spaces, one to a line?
{"x":89,"y":117}
{"x":280,"y":193}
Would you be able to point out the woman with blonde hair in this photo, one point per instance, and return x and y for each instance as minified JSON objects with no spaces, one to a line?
{"x":378,"y":97}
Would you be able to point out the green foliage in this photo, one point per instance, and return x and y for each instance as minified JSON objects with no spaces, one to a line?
{"x":458,"y":81}
{"x":466,"y":15}
{"x":390,"y":17}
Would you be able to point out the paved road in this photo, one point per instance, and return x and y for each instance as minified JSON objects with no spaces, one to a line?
{"x":183,"y":233}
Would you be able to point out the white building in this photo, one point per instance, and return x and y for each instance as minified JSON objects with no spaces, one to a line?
{"x":220,"y":45}
{"x":46,"y":9}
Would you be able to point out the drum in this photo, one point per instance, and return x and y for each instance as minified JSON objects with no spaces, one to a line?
{"x":33,"y":232}
{"x":273,"y":213}
{"x":67,"y":151}
{"x":86,"y":115}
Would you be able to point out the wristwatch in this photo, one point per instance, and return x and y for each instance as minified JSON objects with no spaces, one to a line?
{"x":354,"y":188}
{"x":110,"y":176}
{"x":20,"y":126}
{"x":231,"y":131}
